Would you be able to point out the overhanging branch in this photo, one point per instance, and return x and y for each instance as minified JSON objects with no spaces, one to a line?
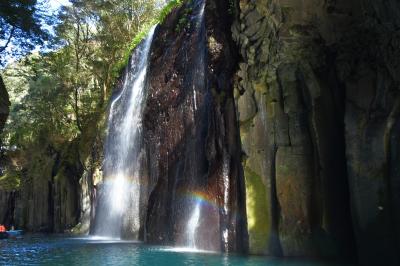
{"x":8,"y":41}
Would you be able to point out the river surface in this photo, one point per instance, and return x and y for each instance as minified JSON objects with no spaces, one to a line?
{"x":44,"y":250}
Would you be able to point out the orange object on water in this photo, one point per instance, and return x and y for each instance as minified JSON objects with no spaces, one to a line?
{"x":2,"y":228}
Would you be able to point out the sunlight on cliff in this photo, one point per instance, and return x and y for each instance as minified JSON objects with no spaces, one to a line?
{"x":258,"y":221}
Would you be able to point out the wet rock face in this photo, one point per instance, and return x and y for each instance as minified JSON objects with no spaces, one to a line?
{"x":318,"y":105}
{"x":191,"y":133}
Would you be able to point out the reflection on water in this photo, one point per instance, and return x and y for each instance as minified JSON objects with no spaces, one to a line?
{"x":39,"y":250}
{"x":187,"y":250}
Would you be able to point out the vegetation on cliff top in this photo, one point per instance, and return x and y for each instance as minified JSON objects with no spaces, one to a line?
{"x":162,"y":14}
{"x":59,"y":96}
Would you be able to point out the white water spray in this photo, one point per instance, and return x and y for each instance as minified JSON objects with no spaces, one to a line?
{"x":225,"y":175}
{"x":192,"y":227}
{"x":118,"y":209}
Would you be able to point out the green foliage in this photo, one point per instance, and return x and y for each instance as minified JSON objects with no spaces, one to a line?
{"x":184,"y":22}
{"x":21,"y":25}
{"x":10,"y":181}
{"x":40,"y":106}
{"x":59,"y":97}
{"x":168,"y":9}
{"x":120,"y":65}
{"x":159,"y":18}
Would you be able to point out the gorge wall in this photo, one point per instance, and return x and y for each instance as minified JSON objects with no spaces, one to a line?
{"x":279,"y":117}
{"x":56,"y":188}
{"x":6,"y":196}
{"x":47,"y":197}
{"x":318,"y":103}
{"x":191,"y":130}
{"x":4,"y":104}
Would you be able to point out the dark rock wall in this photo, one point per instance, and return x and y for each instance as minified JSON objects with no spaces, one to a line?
{"x":191,"y":131}
{"x":369,"y":70}
{"x":7,"y":207}
{"x":4,"y":104}
{"x":318,"y":102}
{"x":58,"y":184}
{"x":7,"y":198}
{"x":49,"y":199}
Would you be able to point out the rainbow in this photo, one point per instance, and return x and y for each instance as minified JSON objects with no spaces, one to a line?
{"x":204,"y":199}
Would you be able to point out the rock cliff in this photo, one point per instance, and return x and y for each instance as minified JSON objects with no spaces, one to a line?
{"x":191,"y":130}
{"x":278,"y":119}
{"x":318,"y":102}
{"x":6,"y":197}
{"x":4,"y":104}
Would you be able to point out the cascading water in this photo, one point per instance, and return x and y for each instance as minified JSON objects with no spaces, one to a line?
{"x":225,"y":176}
{"x":193,"y":222}
{"x":118,"y":210}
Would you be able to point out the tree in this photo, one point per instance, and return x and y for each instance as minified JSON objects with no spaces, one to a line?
{"x":59,"y":95}
{"x":39,"y":105}
{"x":95,"y":36}
{"x":22,"y":27}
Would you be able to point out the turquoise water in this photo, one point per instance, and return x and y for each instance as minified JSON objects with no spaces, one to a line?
{"x":39,"y":250}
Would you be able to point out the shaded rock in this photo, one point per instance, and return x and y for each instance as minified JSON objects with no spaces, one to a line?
{"x":4,"y":104}
{"x":299,"y":148}
{"x":293,"y":188}
{"x":8,"y":203}
{"x":246,"y":106}
{"x":191,"y":133}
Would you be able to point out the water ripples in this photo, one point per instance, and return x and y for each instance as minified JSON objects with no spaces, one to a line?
{"x":43,"y":250}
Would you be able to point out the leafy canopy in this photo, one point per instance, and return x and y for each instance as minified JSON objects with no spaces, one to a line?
{"x":22,"y":27}
{"x":59,"y":97}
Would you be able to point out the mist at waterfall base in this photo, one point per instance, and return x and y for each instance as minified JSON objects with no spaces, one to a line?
{"x":118,"y":211}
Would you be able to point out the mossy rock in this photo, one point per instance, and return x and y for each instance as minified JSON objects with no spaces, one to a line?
{"x":10,"y":181}
{"x":258,"y":220}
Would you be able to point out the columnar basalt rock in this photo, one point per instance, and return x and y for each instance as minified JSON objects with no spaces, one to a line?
{"x":298,"y":150}
{"x":318,"y":103}
{"x":370,"y":74}
{"x":191,"y":130}
{"x":49,"y":200}
{"x":7,"y":207}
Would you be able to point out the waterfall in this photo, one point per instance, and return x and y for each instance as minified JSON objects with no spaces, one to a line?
{"x":118,"y":210}
{"x":192,"y":225}
{"x":193,"y":222}
{"x":225,"y":175}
